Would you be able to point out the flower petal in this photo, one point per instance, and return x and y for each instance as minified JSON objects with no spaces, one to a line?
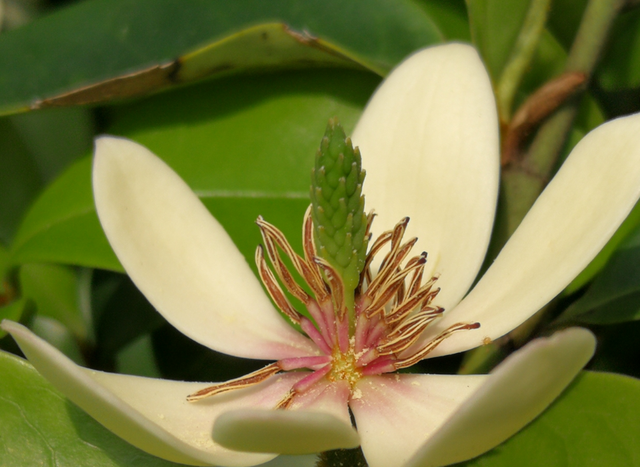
{"x":152,"y":414}
{"x":516,"y":392}
{"x":182,"y":259}
{"x":396,"y":413}
{"x":318,"y":420}
{"x":568,"y":225}
{"x":429,"y":143}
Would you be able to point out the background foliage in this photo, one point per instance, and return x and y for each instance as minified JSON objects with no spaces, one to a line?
{"x":235,"y":96}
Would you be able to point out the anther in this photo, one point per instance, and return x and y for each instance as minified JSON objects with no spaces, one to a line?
{"x":238,"y":383}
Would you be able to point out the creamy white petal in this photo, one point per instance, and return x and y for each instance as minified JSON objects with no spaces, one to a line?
{"x":516,"y":392}
{"x":181,"y":258}
{"x":318,"y":420}
{"x":152,"y":414}
{"x":568,"y":225}
{"x":395,"y":414}
{"x":430,"y":146}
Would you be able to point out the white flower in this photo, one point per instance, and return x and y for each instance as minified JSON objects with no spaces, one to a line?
{"x":429,"y":139}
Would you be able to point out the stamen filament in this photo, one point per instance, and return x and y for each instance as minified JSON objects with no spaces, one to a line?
{"x":421,"y":354}
{"x":315,"y":335}
{"x":274,"y":289}
{"x":295,"y":363}
{"x":237,"y":383}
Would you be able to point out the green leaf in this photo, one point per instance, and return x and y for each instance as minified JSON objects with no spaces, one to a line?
{"x":564,"y":20}
{"x":450,"y":16}
{"x":41,"y":427}
{"x":12,"y":311}
{"x":5,"y":262}
{"x":614,"y":295}
{"x":128,"y":48}
{"x":54,"y":332}
{"x":180,"y":358}
{"x":620,"y":66}
{"x":55,"y":138}
{"x":34,"y":148}
{"x":137,"y":358}
{"x":594,"y":423}
{"x":123,"y":316}
{"x":62,"y":226}
{"x":631,"y":223}
{"x":244,"y":144}
{"x":54,"y":289}
{"x":495,"y":25}
{"x":19,"y":179}
{"x":548,"y":62}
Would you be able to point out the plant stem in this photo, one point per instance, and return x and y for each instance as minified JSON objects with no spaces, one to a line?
{"x":526,"y":180}
{"x":521,"y":56}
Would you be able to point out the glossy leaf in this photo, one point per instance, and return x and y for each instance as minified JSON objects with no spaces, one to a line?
{"x":451,"y":18}
{"x":495,"y":25}
{"x":19,"y":179}
{"x":12,"y":311}
{"x":548,"y":62}
{"x":594,"y":423}
{"x":55,"y":138}
{"x":54,"y":332}
{"x":34,"y":148}
{"x":131,"y":48}
{"x":62,"y":227}
{"x":620,"y":66}
{"x":123,"y":315}
{"x":595,"y":266}
{"x":54,"y":289}
{"x":614,"y":295}
{"x":245,"y":145}
{"x":4,"y":266}
{"x":41,"y":427}
{"x":564,"y":20}
{"x":137,"y":358}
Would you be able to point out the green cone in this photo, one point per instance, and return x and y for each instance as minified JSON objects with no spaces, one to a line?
{"x":340,"y":223}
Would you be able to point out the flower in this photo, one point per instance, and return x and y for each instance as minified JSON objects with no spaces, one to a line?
{"x":429,"y":140}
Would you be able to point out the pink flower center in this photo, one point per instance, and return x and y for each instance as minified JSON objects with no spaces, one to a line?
{"x":381,"y":334}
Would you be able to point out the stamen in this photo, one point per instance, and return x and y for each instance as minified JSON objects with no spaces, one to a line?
{"x":306,"y":270}
{"x":365,"y":275}
{"x":396,"y":236}
{"x":377,"y":330}
{"x":323,"y":314}
{"x":389,"y":289}
{"x":416,"y":280}
{"x":316,"y":336}
{"x":381,"y":241}
{"x":379,"y":366}
{"x":400,"y":312}
{"x":286,"y":400}
{"x":309,"y":380}
{"x":295,"y":363}
{"x":383,"y":297}
{"x":392,"y":310}
{"x":281,"y":270}
{"x":405,"y":335}
{"x":302,"y":385}
{"x":422,"y":353}
{"x":238,"y":383}
{"x":337,"y":295}
{"x":315,"y":278}
{"x":390,"y":265}
{"x":274,"y":289}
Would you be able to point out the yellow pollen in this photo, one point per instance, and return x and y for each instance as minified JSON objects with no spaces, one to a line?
{"x":343,"y":367}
